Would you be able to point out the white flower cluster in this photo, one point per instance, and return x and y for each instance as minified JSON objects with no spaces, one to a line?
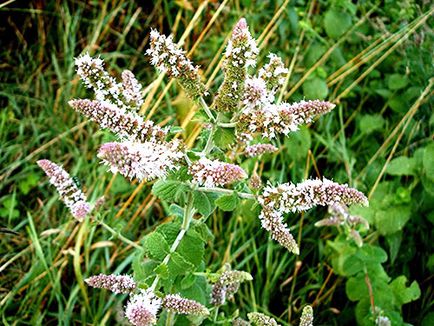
{"x":289,"y":197}
{"x":124,"y":95}
{"x":142,"y":309}
{"x":306,"y":316}
{"x":132,"y":89}
{"x":241,"y":48}
{"x":170,"y":58}
{"x":177,"y":304}
{"x":213,"y":173}
{"x":273,"y":73}
{"x":70,"y":194}
{"x":115,"y":283}
{"x":144,"y":161}
{"x":272,"y":119}
{"x":256,"y":94}
{"x":126,"y":125}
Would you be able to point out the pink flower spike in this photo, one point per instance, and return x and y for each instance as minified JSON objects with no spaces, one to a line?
{"x":142,"y":309}
{"x":114,"y":283}
{"x":70,"y":194}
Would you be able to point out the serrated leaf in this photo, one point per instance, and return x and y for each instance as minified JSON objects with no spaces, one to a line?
{"x":202,"y":230}
{"x":227,"y":203}
{"x":192,"y":248}
{"x":169,"y":230}
{"x":168,"y":189}
{"x":202,"y":203}
{"x":224,"y":137}
{"x":178,"y":265}
{"x":404,"y":294}
{"x":162,"y":270}
{"x":156,"y":246}
{"x":402,"y":165}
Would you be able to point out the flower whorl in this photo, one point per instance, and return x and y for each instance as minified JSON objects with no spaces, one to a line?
{"x":260,"y":319}
{"x":70,"y":194}
{"x":306,"y":316}
{"x":273,"y":73}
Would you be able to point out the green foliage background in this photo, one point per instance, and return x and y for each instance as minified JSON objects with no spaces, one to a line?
{"x":378,"y":139}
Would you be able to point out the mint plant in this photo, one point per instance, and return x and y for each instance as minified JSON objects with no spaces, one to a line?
{"x":170,"y":283}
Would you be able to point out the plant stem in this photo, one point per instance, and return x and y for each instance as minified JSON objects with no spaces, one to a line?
{"x":210,"y":141}
{"x":227,"y":124}
{"x":188,"y":215}
{"x":207,"y":110}
{"x":227,"y":191}
{"x":118,"y":235}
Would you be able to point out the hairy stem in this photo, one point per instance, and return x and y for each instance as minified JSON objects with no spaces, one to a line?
{"x":207,"y":110}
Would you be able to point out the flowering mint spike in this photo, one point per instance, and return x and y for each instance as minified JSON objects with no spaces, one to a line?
{"x":142,"y":309}
{"x":240,"y":53}
{"x":213,"y":173}
{"x":227,"y":285}
{"x":259,"y":319}
{"x":259,"y":149}
{"x":126,"y":125}
{"x":272,"y":221}
{"x":307,"y":316}
{"x":131,"y":90}
{"x":144,"y":161}
{"x":175,"y":303}
{"x":170,"y":58}
{"x":92,"y":72}
{"x":289,"y":197}
{"x":273,"y":73}
{"x":273,"y":119}
{"x":114,"y":283}
{"x":70,"y":194}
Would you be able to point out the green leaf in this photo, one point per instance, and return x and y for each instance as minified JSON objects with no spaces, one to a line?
{"x":428,"y":161}
{"x":162,"y":270}
{"x":402,"y":293}
{"x":397,"y":81}
{"x":168,"y":189}
{"x":371,"y":122}
{"x":156,"y":245}
{"x":227,"y":203}
{"x":224,"y":137}
{"x":336,"y":23}
{"x":202,"y":203}
{"x":392,"y":219}
{"x":192,"y":248}
{"x":315,"y":88}
{"x":202,"y":230}
{"x":297,"y":144}
{"x":177,"y":265}
{"x":402,"y":165}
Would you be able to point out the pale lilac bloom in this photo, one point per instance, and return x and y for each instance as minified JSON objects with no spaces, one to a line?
{"x":177,"y":304}
{"x":142,"y":309}
{"x":142,"y":161}
{"x":170,"y":58}
{"x":214,"y":173}
{"x":126,"y":125}
{"x":131,"y":89}
{"x":273,"y":73}
{"x":259,"y":149}
{"x":289,"y":197}
{"x":259,"y":319}
{"x":227,"y":285}
{"x":115,"y":283}
{"x":70,"y":194}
